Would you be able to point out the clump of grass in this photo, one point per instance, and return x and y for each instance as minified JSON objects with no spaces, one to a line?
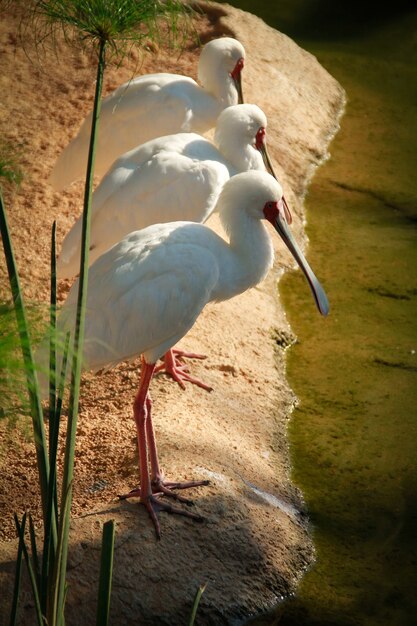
{"x":11,"y":371}
{"x":10,"y":162}
{"x":13,"y":389}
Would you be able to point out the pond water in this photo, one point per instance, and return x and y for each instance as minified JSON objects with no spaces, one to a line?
{"x":353,"y":435}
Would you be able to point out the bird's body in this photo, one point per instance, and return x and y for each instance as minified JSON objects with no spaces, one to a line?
{"x":154,"y":105}
{"x":146,"y":292}
{"x":176,"y":177}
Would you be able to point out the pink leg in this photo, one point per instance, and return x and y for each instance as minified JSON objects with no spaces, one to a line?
{"x":159,"y":485}
{"x":174,"y":366}
{"x":142,"y":415}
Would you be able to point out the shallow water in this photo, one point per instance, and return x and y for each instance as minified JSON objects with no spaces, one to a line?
{"x":353,"y":435}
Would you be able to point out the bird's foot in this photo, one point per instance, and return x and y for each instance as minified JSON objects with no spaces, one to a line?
{"x":133,"y":493}
{"x":154,"y":505}
{"x":161,"y":487}
{"x":174,"y":366}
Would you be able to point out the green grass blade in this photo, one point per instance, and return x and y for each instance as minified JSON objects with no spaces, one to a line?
{"x":18,"y":574}
{"x":54,"y":439}
{"x":106,"y":573}
{"x":32,"y":576}
{"x":31,"y":377}
{"x":49,"y":550}
{"x":35,"y":558}
{"x":61,"y":386}
{"x":51,"y":519}
{"x":56,"y":597}
{"x":58,"y":411}
{"x":52,"y":339}
{"x":197,"y":599}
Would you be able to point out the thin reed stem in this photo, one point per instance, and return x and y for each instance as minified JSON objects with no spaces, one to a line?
{"x":80,"y":321}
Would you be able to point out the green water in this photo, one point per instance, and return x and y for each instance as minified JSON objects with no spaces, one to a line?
{"x":353,"y":436}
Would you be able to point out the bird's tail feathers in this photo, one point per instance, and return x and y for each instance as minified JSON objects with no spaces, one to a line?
{"x":68,"y":262}
{"x":72,"y":162}
{"x":70,"y":165}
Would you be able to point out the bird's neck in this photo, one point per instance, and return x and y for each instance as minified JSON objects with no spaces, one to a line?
{"x":250,"y":255}
{"x":238,"y":150}
{"x":221,"y":87}
{"x":243,"y":157}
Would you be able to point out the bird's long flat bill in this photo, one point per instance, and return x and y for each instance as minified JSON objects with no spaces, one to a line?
{"x":282,"y":229}
{"x":237,"y":79}
{"x":261,"y":146}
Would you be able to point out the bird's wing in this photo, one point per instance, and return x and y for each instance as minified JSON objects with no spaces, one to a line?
{"x":146,"y":293}
{"x":165,"y":101}
{"x":146,"y":107}
{"x":178,"y":177}
{"x":130,"y":166}
{"x":153,"y":106}
{"x":111,"y":186}
{"x":167,"y":185}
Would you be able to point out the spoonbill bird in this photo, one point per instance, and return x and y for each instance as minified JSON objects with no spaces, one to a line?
{"x":154,"y":105}
{"x":177,"y":177}
{"x":146,"y":292}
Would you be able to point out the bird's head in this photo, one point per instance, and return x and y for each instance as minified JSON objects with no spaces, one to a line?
{"x":237,"y":127}
{"x":261,"y":196}
{"x":240,"y":135}
{"x":221,"y":63}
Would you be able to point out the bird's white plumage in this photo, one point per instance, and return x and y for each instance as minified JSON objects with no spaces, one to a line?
{"x":177,"y":177}
{"x":158,"y":281}
{"x":153,"y":105}
{"x":146,"y":292}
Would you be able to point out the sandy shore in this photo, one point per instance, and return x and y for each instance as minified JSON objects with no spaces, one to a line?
{"x":255,"y":543}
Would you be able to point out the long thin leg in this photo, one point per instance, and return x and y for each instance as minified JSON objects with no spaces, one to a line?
{"x":158,"y":484}
{"x":142,"y":414}
{"x":174,"y":366}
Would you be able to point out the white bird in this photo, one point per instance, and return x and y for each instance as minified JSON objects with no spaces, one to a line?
{"x":153,"y":105}
{"x":147,"y":291}
{"x":177,"y":177}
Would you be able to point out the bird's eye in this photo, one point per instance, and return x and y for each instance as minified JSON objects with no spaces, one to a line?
{"x":270,"y":211}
